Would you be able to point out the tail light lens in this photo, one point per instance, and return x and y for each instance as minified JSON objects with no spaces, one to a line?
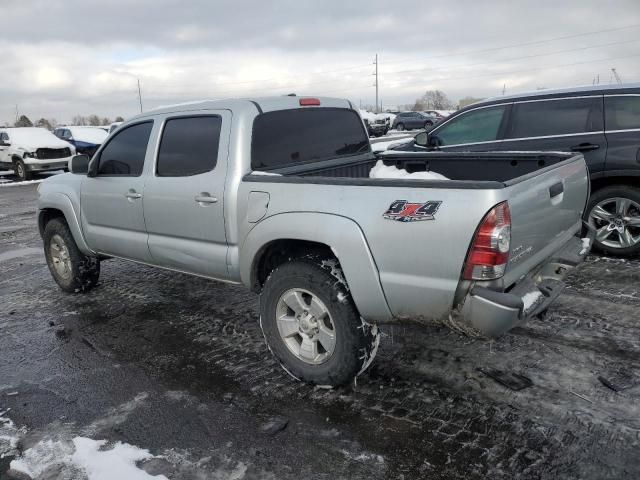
{"x":489,"y":253}
{"x":307,"y":102}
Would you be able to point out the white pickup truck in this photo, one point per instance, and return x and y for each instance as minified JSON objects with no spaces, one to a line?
{"x":277,"y":194}
{"x":27,"y":150}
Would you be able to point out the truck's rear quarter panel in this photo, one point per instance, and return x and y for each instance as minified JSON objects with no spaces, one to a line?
{"x":419,"y":262}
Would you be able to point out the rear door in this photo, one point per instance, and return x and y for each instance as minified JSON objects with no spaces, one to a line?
{"x":184,"y":195}
{"x":622,"y":127}
{"x":574,"y":124}
{"x":111,"y":202}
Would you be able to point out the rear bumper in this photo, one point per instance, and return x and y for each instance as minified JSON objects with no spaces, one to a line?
{"x":493,"y":313}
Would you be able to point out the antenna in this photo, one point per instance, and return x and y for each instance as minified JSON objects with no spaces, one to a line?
{"x":139,"y":95}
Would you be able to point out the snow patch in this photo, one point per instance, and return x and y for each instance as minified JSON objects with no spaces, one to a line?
{"x":17,"y":184}
{"x":586,"y":245}
{"x":531,"y":299}
{"x":380,"y":170}
{"x":270,"y":174}
{"x":93,"y":457}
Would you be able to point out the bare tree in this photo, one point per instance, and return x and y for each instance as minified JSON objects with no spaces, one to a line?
{"x":79,"y":120}
{"x":94,"y":120}
{"x":119,"y":119}
{"x":44,"y":123}
{"x":23,"y":121}
{"x":433,"y":100}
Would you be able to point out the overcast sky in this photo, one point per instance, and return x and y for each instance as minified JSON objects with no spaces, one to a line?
{"x":59,"y":58}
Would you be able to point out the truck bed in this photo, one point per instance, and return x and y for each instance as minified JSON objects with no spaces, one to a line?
{"x":475,"y":169}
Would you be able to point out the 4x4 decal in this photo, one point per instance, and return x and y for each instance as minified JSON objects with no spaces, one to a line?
{"x":403,"y":211}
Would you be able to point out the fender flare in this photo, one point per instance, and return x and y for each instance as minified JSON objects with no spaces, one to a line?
{"x":61,"y":202}
{"x":342,"y":235}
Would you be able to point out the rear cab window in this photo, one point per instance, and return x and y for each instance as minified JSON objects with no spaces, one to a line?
{"x":302,"y":135}
{"x":189,"y":146}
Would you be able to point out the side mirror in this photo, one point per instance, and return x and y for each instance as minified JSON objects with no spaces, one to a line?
{"x":79,"y":164}
{"x":422,"y":139}
{"x":434,"y":141}
{"x":4,"y":143}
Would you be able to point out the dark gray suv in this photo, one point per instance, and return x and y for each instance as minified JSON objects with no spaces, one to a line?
{"x":411,"y":120}
{"x":602,"y":122}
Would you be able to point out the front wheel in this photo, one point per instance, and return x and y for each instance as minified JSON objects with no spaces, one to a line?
{"x":400,"y":127}
{"x":72,"y":270}
{"x":428,"y":124}
{"x":615,"y":214}
{"x":311,"y":324}
{"x":21,"y":170}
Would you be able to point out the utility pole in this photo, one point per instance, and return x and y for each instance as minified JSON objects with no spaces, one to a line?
{"x":139,"y":95}
{"x":16,"y":113}
{"x":504,"y":88}
{"x":376,"y":84}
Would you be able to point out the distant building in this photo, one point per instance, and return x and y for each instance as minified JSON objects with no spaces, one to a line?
{"x":466,"y":101}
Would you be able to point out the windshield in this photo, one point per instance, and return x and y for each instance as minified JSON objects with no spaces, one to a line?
{"x":287,"y":137}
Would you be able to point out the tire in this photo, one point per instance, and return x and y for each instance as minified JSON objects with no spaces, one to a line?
{"x":72,"y":270}
{"x":400,"y":127}
{"x":615,"y":212}
{"x":21,"y":170}
{"x":355,"y":342}
{"x":428,"y":124}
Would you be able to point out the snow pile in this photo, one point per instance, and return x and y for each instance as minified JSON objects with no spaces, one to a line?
{"x":87,"y":456}
{"x":586,"y":244}
{"x":380,"y":170}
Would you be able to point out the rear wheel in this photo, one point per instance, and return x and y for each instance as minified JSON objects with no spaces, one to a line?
{"x":311,"y":324}
{"x":72,"y":270}
{"x":428,"y":124}
{"x":21,"y":170}
{"x":400,"y":127}
{"x":615,"y":214}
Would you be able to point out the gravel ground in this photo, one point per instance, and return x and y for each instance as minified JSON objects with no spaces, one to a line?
{"x":177,"y":365}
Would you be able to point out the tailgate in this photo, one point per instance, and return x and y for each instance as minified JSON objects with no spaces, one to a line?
{"x":546,"y":210}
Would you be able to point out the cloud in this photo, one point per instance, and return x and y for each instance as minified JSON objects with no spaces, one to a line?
{"x":80,"y":56}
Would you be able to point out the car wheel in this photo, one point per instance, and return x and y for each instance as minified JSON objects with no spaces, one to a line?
{"x":72,"y":270}
{"x":311,"y":324}
{"x":400,"y":127}
{"x":615,"y":214}
{"x":21,"y":170}
{"x":428,"y":124}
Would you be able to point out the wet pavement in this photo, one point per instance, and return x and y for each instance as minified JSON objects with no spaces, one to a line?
{"x":177,"y":365}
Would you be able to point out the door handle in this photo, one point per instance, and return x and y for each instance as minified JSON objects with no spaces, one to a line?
{"x":205,"y":198}
{"x":556,"y":189}
{"x":133,"y":195}
{"x":585,"y":147}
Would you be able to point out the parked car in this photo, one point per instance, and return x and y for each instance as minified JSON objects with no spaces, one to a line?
{"x":281,"y":200}
{"x":85,"y":139}
{"x":31,"y":149}
{"x":602,"y":122}
{"x":411,"y":120}
{"x":439,"y":114}
{"x":377,"y":124}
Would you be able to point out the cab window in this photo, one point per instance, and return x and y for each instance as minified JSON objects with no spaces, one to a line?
{"x":125,"y":152}
{"x":481,"y":125}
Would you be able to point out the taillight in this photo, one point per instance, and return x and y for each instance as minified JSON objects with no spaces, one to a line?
{"x":306,"y":102}
{"x":489,"y":253}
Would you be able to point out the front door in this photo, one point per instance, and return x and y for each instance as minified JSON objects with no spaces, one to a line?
{"x":184,"y":196}
{"x":111,"y":201}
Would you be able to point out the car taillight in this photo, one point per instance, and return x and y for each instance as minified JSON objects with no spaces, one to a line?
{"x":489,"y":253}
{"x":306,"y":102}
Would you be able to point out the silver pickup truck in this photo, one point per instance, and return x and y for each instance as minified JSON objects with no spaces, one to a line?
{"x":276,"y":194}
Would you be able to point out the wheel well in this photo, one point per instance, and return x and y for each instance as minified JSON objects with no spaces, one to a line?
{"x":600,"y":183}
{"x":280,"y":251}
{"x":15,"y":158}
{"x":46,"y":215}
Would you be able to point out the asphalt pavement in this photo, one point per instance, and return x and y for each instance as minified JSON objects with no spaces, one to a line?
{"x":177,"y":365}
